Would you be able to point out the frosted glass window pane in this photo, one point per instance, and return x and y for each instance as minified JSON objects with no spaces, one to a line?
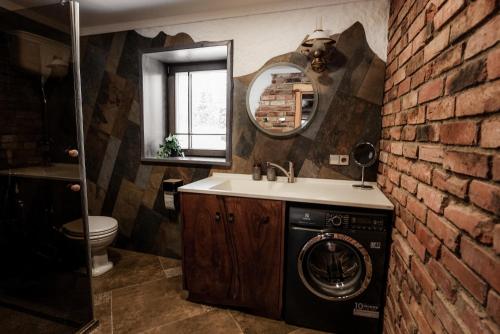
{"x":208,"y":89}
{"x":182,"y":102}
{"x":183,"y":141}
{"x":208,"y":142}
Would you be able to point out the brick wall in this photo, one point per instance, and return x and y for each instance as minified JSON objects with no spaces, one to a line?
{"x":20,"y":112}
{"x":440,"y":166}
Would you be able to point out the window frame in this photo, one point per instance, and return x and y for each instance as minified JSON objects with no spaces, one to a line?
{"x":204,"y":159}
{"x":170,"y":126}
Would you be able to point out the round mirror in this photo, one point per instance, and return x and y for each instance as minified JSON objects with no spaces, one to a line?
{"x":282,"y":99}
{"x":364,"y":154}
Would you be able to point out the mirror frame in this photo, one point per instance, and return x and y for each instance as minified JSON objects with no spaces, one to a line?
{"x":314,"y":107}
{"x":375,"y":157}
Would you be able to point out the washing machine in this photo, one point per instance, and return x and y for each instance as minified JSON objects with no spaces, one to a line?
{"x":336,"y":268}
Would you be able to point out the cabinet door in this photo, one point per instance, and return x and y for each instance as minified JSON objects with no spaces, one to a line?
{"x":256,"y":229}
{"x":206,"y":259}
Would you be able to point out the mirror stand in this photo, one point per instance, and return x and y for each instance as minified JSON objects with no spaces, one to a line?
{"x":362,"y":185}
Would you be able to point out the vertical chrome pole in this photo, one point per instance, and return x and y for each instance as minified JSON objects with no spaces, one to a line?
{"x":75,"y":39}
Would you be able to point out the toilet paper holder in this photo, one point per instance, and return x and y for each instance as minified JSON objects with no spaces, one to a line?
{"x":170,"y":193}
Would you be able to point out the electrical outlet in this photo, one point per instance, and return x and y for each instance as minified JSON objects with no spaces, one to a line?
{"x":339,"y":160}
{"x":344,"y":160}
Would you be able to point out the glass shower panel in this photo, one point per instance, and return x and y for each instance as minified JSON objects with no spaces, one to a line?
{"x":45,"y":286}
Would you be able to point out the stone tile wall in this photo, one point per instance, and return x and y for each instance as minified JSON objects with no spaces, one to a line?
{"x":121,"y":186}
{"x":440,"y":165}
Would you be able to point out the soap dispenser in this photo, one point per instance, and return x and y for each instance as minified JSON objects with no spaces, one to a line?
{"x":257,"y":172}
{"x":271,"y":173}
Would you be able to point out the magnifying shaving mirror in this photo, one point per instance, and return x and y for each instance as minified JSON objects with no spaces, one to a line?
{"x":365,"y":155}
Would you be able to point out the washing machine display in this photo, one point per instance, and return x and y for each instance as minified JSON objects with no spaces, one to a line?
{"x":336,"y":268}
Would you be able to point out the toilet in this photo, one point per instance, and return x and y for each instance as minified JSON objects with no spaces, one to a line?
{"x":102,"y":232}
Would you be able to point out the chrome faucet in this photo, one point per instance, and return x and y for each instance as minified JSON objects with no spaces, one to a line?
{"x":289,"y":174}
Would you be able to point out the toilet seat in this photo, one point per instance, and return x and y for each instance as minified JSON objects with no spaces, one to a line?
{"x":91,"y":237}
{"x":99,"y":227}
{"x":102,"y":233}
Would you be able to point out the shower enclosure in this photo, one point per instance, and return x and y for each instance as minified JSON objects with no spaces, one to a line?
{"x":45,"y":276}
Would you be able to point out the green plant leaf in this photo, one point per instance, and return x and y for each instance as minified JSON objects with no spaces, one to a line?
{"x":170,"y":148}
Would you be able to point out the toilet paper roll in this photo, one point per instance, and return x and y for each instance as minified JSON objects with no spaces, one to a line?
{"x":169,"y":199}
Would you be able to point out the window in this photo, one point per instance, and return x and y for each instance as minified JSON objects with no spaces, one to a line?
{"x":197,"y":112}
{"x":187,"y":92}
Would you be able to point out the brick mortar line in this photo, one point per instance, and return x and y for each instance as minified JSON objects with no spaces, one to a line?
{"x":444,"y":75}
{"x":448,"y":147}
{"x":408,"y":27}
{"x":451,"y":43}
{"x":460,"y":200}
{"x":460,"y":287}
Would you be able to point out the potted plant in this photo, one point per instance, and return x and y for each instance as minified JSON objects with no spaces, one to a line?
{"x":170,"y":148}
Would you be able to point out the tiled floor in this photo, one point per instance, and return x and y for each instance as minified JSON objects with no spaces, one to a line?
{"x":143,"y":294}
{"x":13,"y":321}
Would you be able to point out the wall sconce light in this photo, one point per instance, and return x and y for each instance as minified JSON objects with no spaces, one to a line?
{"x":316,"y":46}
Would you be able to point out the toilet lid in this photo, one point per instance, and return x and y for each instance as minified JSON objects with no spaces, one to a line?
{"x":98,"y":225}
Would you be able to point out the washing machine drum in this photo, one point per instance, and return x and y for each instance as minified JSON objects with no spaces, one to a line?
{"x":334,"y":266}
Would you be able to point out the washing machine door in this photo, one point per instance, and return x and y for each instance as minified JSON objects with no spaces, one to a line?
{"x":334,"y":266}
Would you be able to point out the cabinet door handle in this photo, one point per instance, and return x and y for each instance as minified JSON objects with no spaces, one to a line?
{"x":72,"y":153}
{"x":74,"y":187}
{"x":217,"y":217}
{"x":230,"y":219}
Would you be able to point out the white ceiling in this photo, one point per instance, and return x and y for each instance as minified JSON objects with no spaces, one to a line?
{"x":98,"y":12}
{"x":97,"y":16}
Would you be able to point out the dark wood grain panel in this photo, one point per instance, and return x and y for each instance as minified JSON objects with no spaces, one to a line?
{"x":256,"y":231}
{"x":235,"y":259}
{"x":206,"y":261}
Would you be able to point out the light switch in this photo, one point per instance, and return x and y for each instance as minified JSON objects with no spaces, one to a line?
{"x":334,"y":159}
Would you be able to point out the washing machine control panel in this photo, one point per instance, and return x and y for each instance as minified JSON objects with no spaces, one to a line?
{"x":354,"y":221}
{"x":336,"y":220}
{"x":320,"y":219}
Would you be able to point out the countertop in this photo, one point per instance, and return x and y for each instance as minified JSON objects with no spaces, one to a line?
{"x":305,"y":190}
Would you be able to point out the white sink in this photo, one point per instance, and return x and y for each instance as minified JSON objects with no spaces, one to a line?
{"x":306,"y":190}
{"x":249,"y":186}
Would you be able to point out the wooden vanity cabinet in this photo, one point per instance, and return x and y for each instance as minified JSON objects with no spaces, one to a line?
{"x":206,"y":251}
{"x":233,"y":251}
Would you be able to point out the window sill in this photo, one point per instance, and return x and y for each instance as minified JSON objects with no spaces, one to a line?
{"x":207,"y":161}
